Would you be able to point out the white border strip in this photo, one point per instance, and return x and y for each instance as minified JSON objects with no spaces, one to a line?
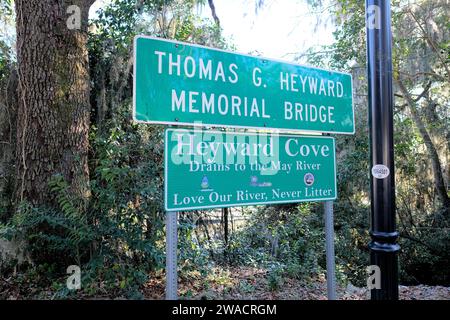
{"x":229,"y":125}
{"x":166,"y":134}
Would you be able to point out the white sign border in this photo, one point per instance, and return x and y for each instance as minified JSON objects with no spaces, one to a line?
{"x":231,"y":126}
{"x":166,"y":133}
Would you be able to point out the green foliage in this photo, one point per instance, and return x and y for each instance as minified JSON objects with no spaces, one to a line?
{"x":115,"y":239}
{"x":275,"y":276}
{"x":287,"y":240}
{"x":421,"y":219}
{"x":193,"y":251}
{"x":51,"y":234}
{"x":126,"y":201}
{"x":6,"y":7}
{"x":5,"y":60}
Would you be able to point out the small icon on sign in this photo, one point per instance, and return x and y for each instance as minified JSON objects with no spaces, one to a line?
{"x":309,"y":179}
{"x":205,"y":182}
{"x":255,"y":183}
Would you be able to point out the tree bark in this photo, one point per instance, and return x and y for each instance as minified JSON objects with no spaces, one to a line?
{"x":53,"y":107}
{"x":434,"y":157}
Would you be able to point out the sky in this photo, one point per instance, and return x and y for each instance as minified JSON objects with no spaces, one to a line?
{"x":280,"y":30}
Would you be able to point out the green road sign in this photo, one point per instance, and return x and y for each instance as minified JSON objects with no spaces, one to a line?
{"x":179,"y":83}
{"x":211,"y":169}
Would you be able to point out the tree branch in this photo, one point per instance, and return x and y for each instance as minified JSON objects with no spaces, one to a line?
{"x":431,"y":43}
{"x":434,"y":157}
{"x":433,"y":250}
{"x":213,"y":12}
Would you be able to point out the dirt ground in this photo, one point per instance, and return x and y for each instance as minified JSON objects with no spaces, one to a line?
{"x":238,"y":283}
{"x":252,"y":284}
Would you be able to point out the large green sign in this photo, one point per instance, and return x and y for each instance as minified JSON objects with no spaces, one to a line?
{"x":211,"y":169}
{"x":179,"y":83}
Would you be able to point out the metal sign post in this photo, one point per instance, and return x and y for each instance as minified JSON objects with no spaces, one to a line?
{"x":329,"y":238}
{"x":171,"y":255}
{"x":383,"y":247}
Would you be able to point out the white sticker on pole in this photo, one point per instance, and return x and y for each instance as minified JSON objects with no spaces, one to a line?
{"x":380,"y":171}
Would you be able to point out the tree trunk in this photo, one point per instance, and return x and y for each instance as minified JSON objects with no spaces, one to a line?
{"x":434,"y":157}
{"x":54,"y":107}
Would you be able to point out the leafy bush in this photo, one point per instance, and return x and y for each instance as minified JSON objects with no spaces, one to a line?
{"x":275,"y":276}
{"x":287,"y":240}
{"x":118,"y":238}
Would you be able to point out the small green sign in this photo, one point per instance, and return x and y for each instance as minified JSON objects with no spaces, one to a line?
{"x":185,"y":84}
{"x":211,"y":169}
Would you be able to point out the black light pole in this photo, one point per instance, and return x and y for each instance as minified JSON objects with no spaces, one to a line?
{"x":383,"y":247}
